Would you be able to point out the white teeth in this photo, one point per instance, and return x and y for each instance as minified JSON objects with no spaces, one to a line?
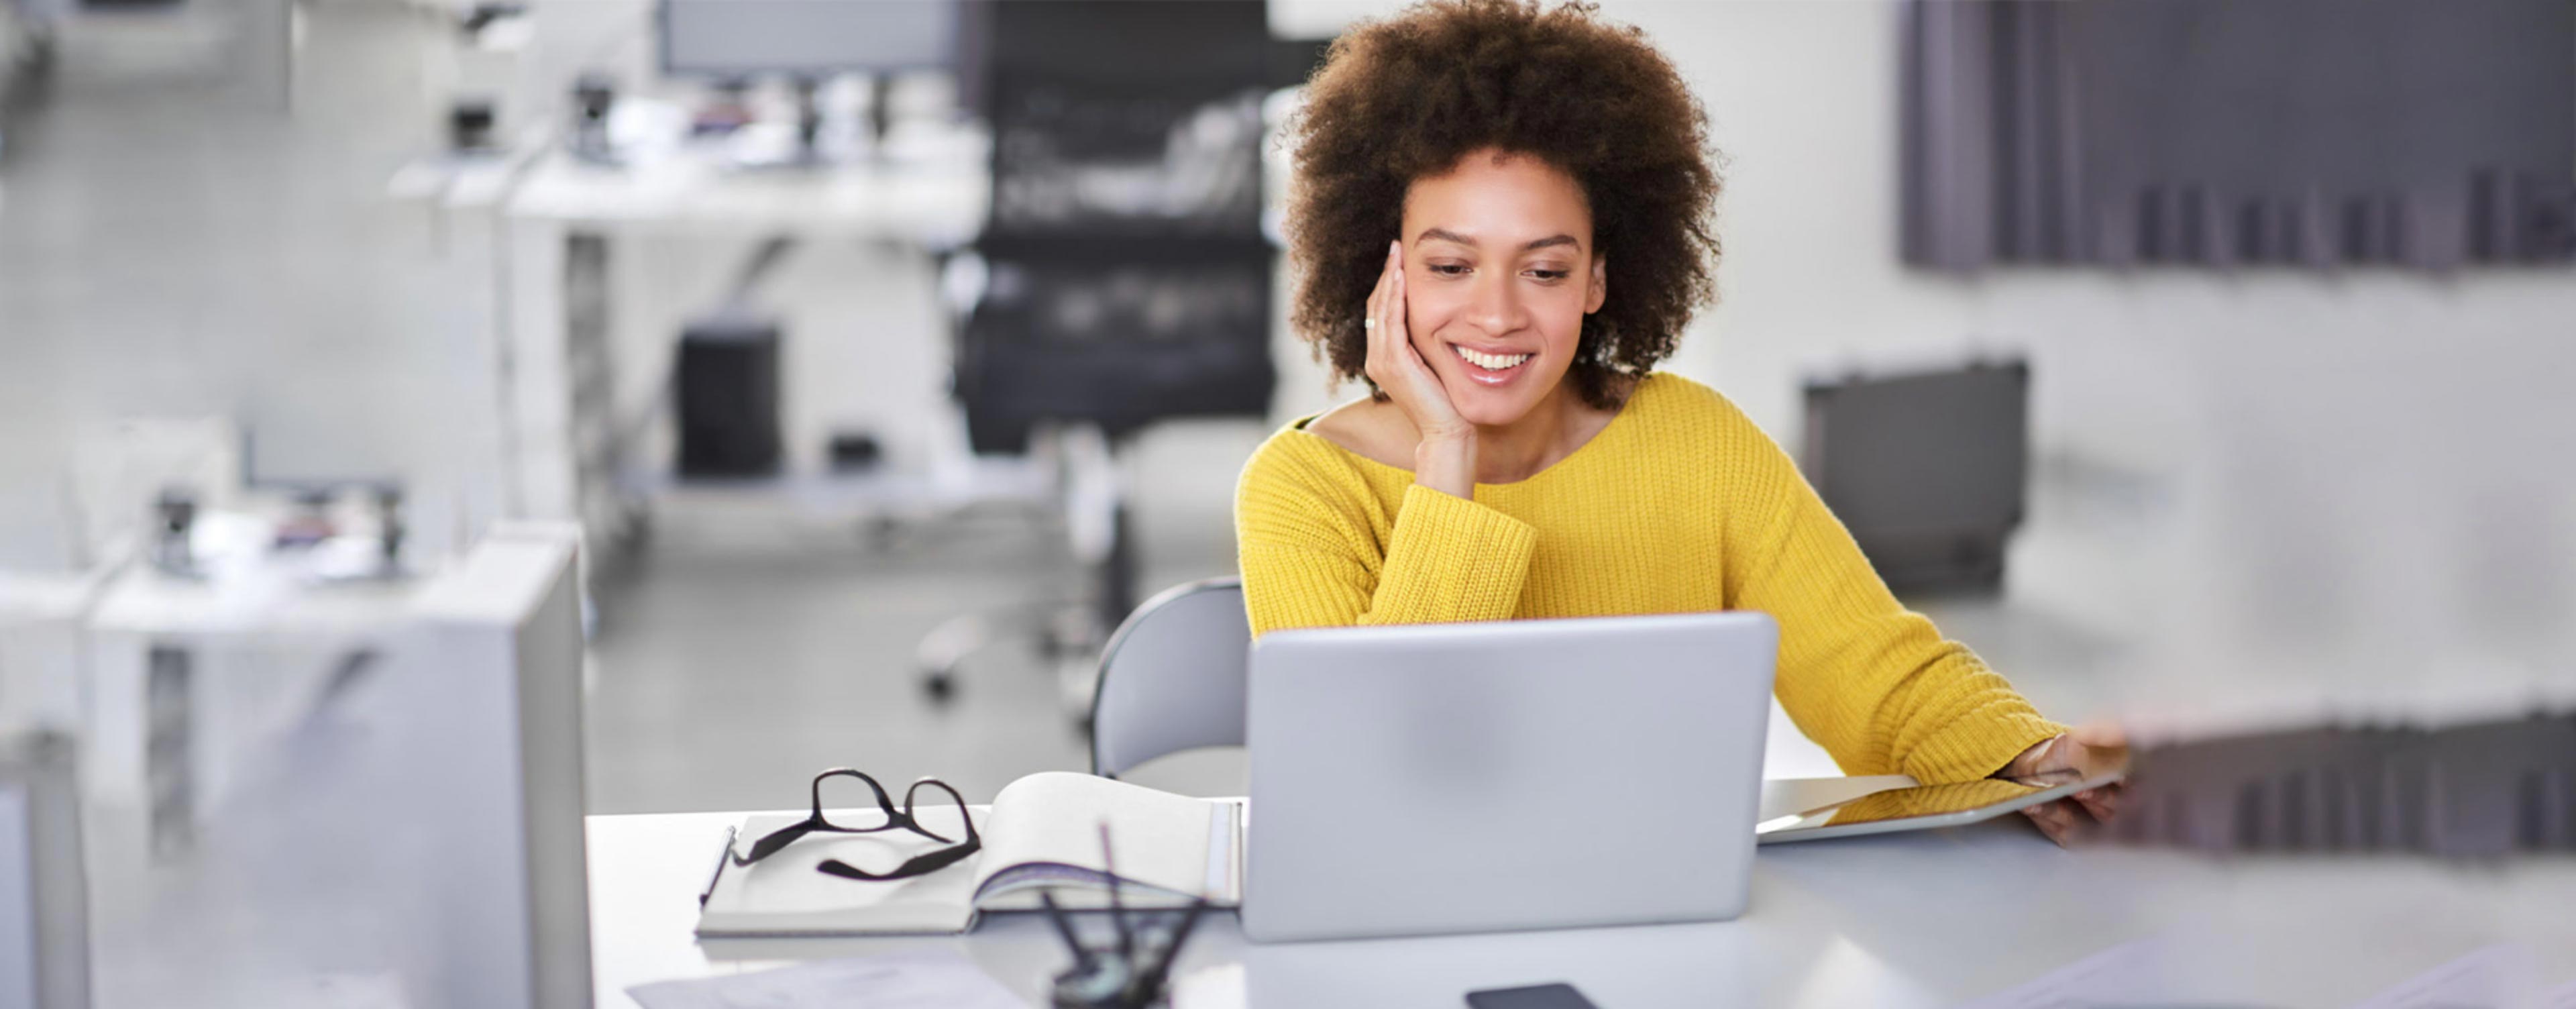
{"x":1490,"y":362}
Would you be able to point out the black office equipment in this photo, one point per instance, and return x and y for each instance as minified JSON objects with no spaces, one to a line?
{"x":1927,"y":470}
{"x":2422,"y":134}
{"x":174,"y":533}
{"x":1128,"y":276}
{"x":853,"y":451}
{"x":2474,"y":790}
{"x":594,"y":95}
{"x":470,"y":123}
{"x":1538,"y":996}
{"x":726,"y":385}
{"x":1120,"y":305}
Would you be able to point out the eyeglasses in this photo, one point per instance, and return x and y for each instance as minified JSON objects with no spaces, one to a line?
{"x":918,"y":865}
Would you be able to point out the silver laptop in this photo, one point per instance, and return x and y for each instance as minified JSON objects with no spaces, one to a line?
{"x":1489,"y":776}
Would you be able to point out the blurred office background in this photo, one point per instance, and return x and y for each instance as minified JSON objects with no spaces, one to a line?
{"x":278,"y":256}
{"x":240,"y":213}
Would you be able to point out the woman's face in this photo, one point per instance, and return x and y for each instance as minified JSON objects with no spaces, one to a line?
{"x":1499,"y":271}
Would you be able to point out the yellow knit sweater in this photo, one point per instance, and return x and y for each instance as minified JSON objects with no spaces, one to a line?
{"x":1680,"y":505}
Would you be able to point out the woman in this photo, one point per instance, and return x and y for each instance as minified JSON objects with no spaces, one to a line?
{"x":1501,"y":219}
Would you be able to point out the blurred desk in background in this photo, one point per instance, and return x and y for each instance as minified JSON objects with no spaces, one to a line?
{"x":42,"y":618}
{"x":455,"y":184}
{"x":186,"y":677}
{"x":368,"y":787}
{"x":1989,"y":915}
{"x":564,"y":436}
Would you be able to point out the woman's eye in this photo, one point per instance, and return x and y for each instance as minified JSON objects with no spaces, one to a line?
{"x":1449,"y":269}
{"x":1548,"y":274}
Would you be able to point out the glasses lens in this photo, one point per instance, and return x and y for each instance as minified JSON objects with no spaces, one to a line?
{"x":852,"y":801}
{"x":936,"y":810}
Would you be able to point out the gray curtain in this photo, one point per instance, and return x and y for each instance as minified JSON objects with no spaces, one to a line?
{"x":2219,"y":133}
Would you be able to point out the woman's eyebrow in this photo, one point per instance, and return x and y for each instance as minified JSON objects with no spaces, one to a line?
{"x":1446,"y":235}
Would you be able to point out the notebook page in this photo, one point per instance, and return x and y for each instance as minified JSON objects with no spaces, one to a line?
{"x":1053,"y":818}
{"x":784,"y":894}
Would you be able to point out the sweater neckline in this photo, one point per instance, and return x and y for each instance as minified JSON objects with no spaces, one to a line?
{"x":1618,"y":421}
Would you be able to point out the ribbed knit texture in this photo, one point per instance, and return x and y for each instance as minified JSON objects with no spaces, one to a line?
{"x":1682,"y":504}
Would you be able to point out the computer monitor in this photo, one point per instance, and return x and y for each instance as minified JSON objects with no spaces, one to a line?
{"x":807,"y":38}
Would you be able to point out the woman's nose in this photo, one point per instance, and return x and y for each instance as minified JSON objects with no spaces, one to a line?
{"x":1496,"y":308}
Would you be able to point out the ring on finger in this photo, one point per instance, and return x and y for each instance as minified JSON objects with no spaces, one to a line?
{"x":1368,"y":324}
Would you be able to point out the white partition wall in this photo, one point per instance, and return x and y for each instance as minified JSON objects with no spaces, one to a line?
{"x":402,"y":825}
{"x":494,"y":703}
{"x":44,"y":915}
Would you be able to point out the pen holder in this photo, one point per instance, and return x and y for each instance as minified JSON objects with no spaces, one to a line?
{"x":1134,"y":974}
{"x":1104,"y":982}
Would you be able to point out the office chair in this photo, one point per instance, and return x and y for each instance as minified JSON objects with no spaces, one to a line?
{"x":1126,"y":278}
{"x":1172,"y":677}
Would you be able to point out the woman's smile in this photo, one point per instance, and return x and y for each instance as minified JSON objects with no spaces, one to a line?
{"x":1490,"y":369}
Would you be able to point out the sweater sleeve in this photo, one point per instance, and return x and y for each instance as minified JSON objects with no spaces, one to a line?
{"x":1870,"y":680}
{"x":1316,"y":553}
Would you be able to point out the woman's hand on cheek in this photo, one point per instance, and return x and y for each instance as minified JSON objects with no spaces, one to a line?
{"x":1445,"y":459}
{"x":1396,"y":365}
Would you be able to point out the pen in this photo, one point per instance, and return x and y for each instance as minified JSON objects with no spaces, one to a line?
{"x":723,"y":855}
{"x":1062,"y":927}
{"x":1117,"y":908}
{"x":1172,"y":949}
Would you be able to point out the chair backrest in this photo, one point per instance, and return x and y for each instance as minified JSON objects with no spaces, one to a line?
{"x":1172,"y":677}
{"x":1130,"y":281}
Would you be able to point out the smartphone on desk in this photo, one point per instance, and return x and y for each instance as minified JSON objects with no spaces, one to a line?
{"x":1538,"y":996}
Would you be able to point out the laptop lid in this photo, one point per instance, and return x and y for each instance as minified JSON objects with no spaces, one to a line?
{"x":1511,"y":775}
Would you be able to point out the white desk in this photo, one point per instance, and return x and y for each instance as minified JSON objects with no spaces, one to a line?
{"x":559,"y":416}
{"x":1908,"y":920}
{"x":42,"y":618}
{"x":260,"y":643}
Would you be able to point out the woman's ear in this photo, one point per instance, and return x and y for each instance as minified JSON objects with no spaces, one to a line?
{"x":1599,"y":290}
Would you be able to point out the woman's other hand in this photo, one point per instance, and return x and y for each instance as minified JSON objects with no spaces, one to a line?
{"x":2085,"y":751}
{"x":1445,"y":458}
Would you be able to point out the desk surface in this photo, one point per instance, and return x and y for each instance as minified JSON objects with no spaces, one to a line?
{"x":936,"y":204}
{"x":1924,"y":919}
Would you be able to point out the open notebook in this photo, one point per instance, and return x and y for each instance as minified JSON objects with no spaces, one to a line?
{"x":1041,"y":832}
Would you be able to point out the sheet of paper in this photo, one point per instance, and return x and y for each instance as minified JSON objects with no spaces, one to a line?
{"x":2134,"y":973}
{"x":2495,"y":975}
{"x":915,"y":979}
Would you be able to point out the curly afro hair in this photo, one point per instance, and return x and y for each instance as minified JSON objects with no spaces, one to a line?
{"x":1409,"y":96}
